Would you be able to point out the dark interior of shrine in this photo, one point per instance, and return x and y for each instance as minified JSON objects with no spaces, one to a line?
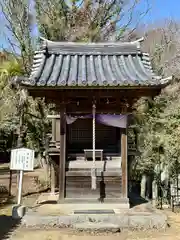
{"x":79,"y":137}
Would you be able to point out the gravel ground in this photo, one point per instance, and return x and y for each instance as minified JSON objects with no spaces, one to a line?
{"x":64,"y":234}
{"x":10,"y":229}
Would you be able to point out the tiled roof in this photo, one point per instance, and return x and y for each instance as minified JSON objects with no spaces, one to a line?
{"x":64,"y":64}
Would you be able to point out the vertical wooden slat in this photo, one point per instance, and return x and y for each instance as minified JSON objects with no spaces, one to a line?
{"x":58,"y":131}
{"x":124,"y":162}
{"x":10,"y":182}
{"x":62,"y":161}
{"x":53,"y":129}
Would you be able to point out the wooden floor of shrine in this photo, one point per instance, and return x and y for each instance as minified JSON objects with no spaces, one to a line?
{"x":108,"y":179}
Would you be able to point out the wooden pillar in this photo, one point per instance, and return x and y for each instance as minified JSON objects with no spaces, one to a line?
{"x":62,"y":161}
{"x":53,"y":181}
{"x":53,"y":130}
{"x":10,"y":182}
{"x":124,"y":156}
{"x":57,"y":126}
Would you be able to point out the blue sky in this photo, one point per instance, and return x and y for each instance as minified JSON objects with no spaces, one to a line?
{"x":160,"y":10}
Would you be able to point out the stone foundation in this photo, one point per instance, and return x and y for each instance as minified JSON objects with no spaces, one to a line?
{"x":123,"y":220}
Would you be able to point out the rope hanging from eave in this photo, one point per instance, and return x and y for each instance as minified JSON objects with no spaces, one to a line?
{"x":93,"y":169}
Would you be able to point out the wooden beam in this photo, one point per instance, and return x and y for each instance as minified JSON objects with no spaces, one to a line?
{"x":124,"y":163}
{"x":62,"y":161}
{"x":86,"y":107}
{"x":63,"y":95}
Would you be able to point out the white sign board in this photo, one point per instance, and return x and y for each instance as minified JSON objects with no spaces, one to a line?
{"x":22,"y":159}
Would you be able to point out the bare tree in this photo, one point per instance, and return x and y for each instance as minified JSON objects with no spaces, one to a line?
{"x":163,"y":44}
{"x":87,"y":20}
{"x":158,"y":128}
{"x":19,"y":29}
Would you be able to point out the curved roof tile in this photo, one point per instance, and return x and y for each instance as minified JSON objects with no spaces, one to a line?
{"x":61,"y":64}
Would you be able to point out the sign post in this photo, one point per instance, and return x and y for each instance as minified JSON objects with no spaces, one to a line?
{"x":22,"y":159}
{"x":20,"y":187}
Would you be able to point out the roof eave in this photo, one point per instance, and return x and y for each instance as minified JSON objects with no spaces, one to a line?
{"x":25,"y":82}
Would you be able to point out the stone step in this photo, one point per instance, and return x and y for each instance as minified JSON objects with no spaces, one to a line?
{"x":84,"y":203}
{"x":97,"y":227}
{"x":79,"y":164}
{"x":126,"y":220}
{"x":94,"y":211}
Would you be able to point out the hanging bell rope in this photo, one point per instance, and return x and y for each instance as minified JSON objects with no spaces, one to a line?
{"x":93,"y":169}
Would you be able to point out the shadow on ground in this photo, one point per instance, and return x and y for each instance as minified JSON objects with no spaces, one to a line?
{"x":135,"y":200}
{"x":7,"y":223}
{"x":7,"y":226}
{"x":48,"y":202}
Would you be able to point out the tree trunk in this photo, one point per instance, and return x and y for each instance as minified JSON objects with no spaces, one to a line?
{"x":143,"y":186}
{"x":154,"y":193}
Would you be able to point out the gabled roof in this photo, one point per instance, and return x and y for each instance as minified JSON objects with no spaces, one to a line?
{"x":67,"y":64}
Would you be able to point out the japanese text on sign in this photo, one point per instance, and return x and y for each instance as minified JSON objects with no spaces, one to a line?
{"x":22,"y":159}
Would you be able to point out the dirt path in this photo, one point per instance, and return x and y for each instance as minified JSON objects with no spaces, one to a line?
{"x":31,"y":182}
{"x":67,"y":235}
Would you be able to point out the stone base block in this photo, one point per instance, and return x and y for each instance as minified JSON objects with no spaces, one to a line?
{"x":97,"y":227}
{"x":123,"y":221}
{"x":18,"y":211}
